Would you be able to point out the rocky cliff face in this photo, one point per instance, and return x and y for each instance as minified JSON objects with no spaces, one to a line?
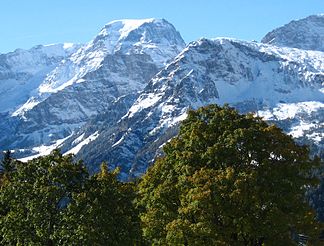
{"x":22,"y":71}
{"x":283,"y":85}
{"x":307,"y":34}
{"x":118,"y":62}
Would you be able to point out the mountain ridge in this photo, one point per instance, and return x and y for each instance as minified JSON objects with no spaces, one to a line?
{"x":88,"y":81}
{"x":122,"y":103}
{"x":204,"y":73}
{"x":21,"y":71}
{"x":306,"y":33}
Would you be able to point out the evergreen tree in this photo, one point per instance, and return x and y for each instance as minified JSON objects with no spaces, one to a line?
{"x":7,"y":162}
{"x":228,"y":179}
{"x":7,"y":166}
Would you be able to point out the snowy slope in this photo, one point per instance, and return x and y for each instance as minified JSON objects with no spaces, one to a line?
{"x":22,"y":71}
{"x":307,"y":33}
{"x":118,"y":62}
{"x":252,"y":77}
{"x":155,"y":38}
{"x":120,"y":97}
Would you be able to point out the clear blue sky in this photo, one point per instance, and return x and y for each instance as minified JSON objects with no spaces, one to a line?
{"x":25,"y":23}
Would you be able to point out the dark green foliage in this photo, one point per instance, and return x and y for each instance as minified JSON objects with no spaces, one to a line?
{"x":103,"y":214}
{"x":317,"y":197}
{"x":35,"y":197}
{"x":7,"y":165}
{"x":52,"y":200}
{"x":228,"y":179}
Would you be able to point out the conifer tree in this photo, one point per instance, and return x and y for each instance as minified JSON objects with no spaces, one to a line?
{"x":7,"y":166}
{"x":7,"y":162}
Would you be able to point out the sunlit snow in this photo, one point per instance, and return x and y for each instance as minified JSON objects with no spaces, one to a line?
{"x":44,"y":150}
{"x":84,"y":142}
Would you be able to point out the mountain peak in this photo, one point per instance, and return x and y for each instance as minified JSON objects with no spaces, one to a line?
{"x":139,"y":36}
{"x":157,"y":39}
{"x":306,"y":33}
{"x":124,"y":26}
{"x":119,"y":61}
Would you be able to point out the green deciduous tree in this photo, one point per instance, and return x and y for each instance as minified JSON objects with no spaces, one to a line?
{"x":228,"y":179}
{"x":52,"y":200}
{"x":103,"y":214}
{"x":36,"y":196}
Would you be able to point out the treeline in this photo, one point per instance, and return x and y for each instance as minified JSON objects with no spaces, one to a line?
{"x":226,"y":179}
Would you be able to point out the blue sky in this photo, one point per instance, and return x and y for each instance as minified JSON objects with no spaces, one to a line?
{"x":25,"y":23}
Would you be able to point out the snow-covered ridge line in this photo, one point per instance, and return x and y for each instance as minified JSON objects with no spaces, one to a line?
{"x":22,"y":71}
{"x":153,"y":37}
{"x":306,"y":33}
{"x":124,"y":26}
{"x":310,"y":57}
{"x":49,"y":49}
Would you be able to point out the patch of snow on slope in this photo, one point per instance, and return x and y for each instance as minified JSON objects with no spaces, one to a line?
{"x":86,"y":141}
{"x":25,"y":107}
{"x":142,"y":103}
{"x":78,"y":139}
{"x":169,"y":121}
{"x":119,"y":141}
{"x":44,"y":149}
{"x":316,"y":136}
{"x":298,"y":131}
{"x":128,"y":25}
{"x":289,"y":110}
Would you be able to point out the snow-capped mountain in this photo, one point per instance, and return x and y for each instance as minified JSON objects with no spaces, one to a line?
{"x":284,"y":85}
{"x":116,"y":64}
{"x":22,"y":71}
{"x":121,"y":96}
{"x":307,"y":34}
{"x":156,"y":39}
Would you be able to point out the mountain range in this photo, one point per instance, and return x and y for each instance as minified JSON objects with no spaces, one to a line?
{"x":121,"y":96}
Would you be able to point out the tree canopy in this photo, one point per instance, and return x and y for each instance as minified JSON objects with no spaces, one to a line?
{"x":52,"y":200}
{"x":7,"y":166}
{"x":36,"y":195}
{"x":228,"y":179}
{"x":104,"y":213}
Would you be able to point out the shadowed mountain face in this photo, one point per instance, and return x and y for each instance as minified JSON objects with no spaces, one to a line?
{"x":120,"y":97}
